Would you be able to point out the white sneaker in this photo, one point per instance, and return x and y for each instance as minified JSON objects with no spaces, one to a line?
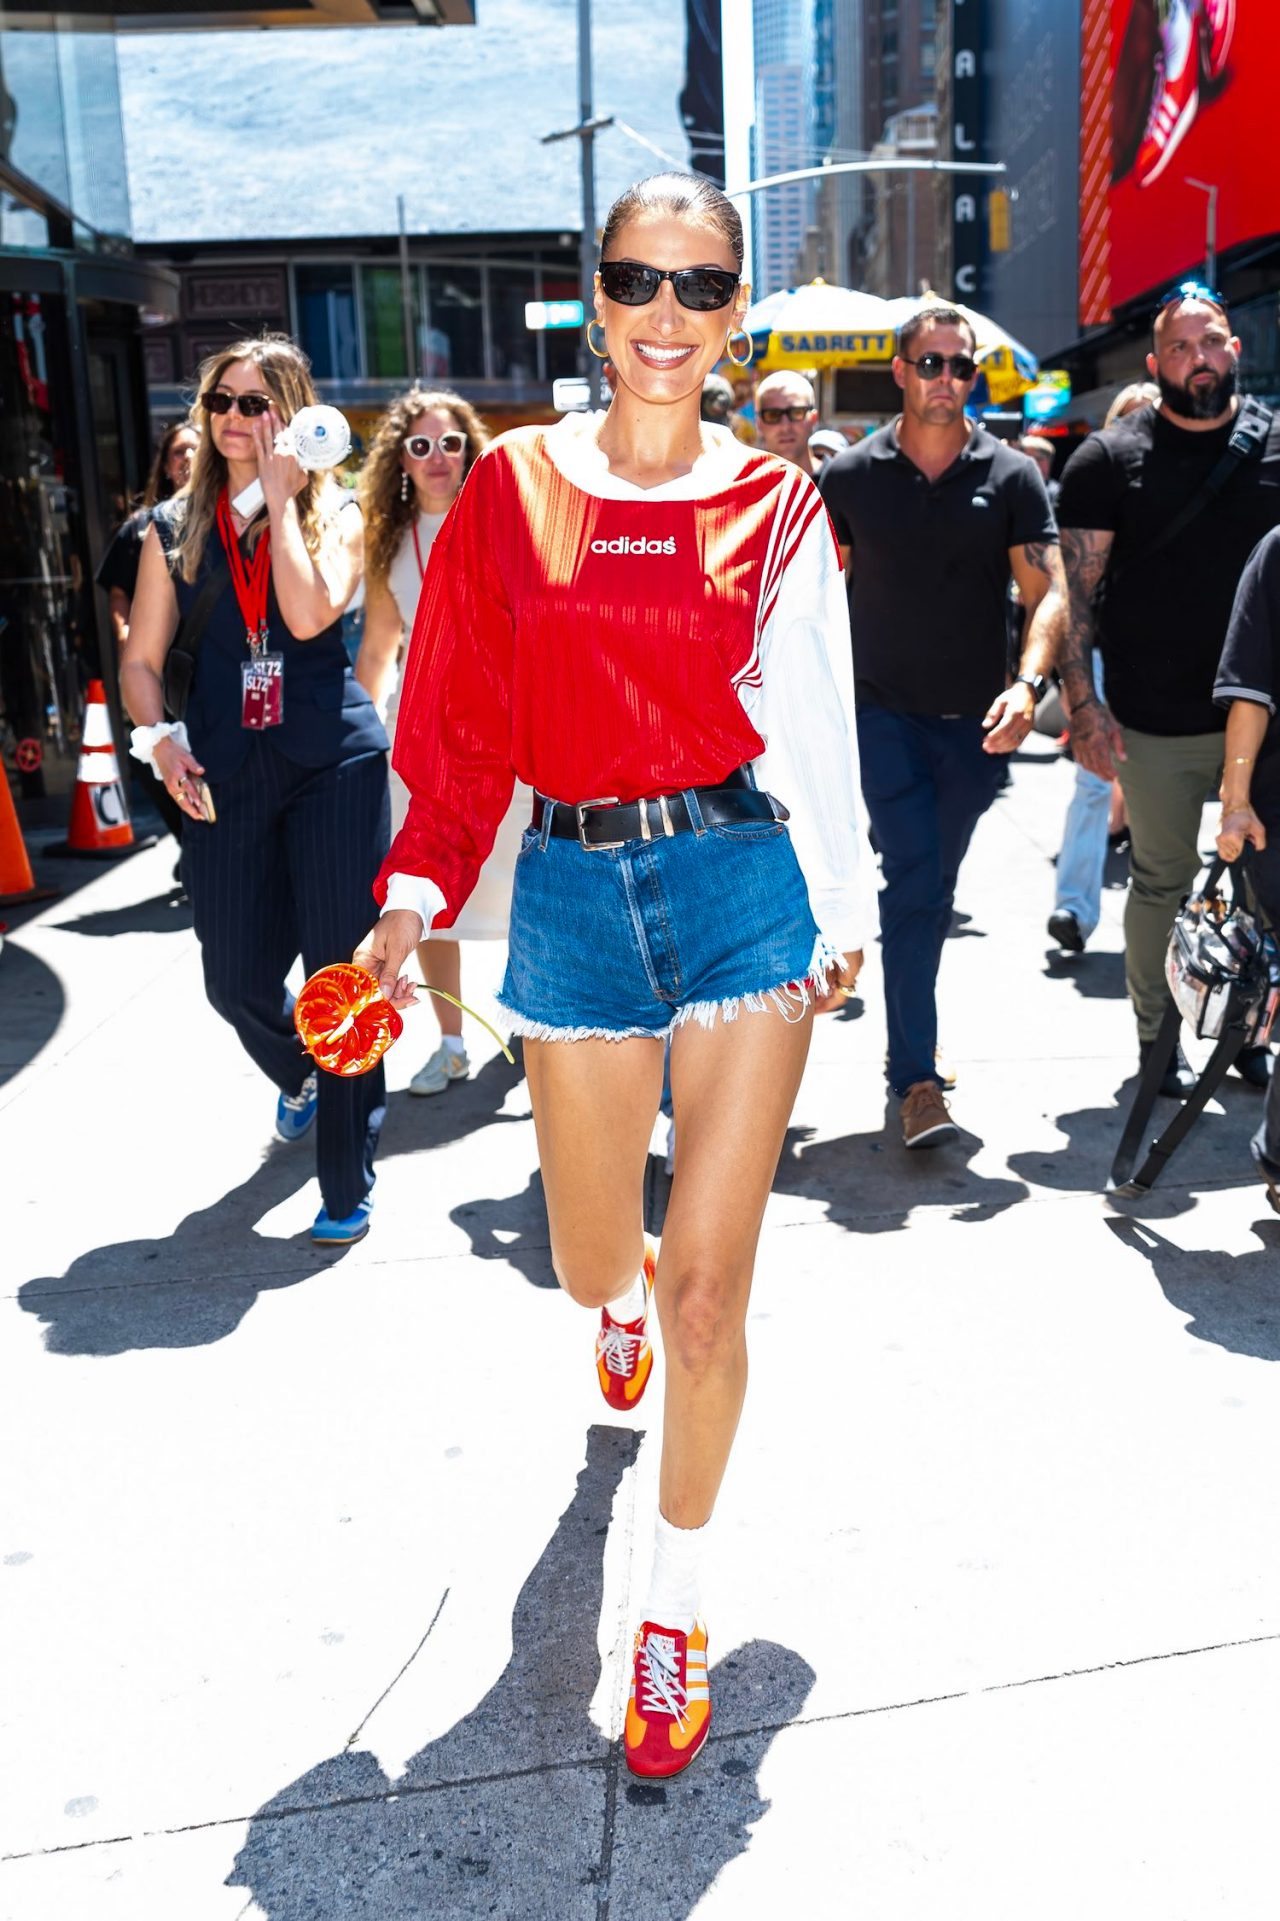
{"x":443,"y":1067}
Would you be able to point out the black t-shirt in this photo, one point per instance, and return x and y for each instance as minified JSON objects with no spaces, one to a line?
{"x":120,"y":563}
{"x":1162,"y":622}
{"x":930,"y":571}
{"x":1250,"y":665}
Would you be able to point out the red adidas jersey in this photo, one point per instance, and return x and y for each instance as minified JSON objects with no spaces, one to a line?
{"x":596,"y":640}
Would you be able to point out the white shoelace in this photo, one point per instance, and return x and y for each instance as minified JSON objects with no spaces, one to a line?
{"x":296,"y":1102}
{"x":660,"y":1689}
{"x":619,"y":1350}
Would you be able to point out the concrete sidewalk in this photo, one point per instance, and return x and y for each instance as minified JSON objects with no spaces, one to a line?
{"x":319,"y":1571}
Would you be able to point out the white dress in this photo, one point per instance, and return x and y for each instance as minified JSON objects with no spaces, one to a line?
{"x":488,"y":910}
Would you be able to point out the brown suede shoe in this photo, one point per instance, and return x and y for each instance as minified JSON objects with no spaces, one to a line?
{"x":925,"y":1120}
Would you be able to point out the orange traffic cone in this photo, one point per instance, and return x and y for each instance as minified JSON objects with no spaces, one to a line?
{"x":99,"y":810}
{"x":17,"y":882}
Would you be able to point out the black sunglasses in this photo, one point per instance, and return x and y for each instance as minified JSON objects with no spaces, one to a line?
{"x":1190,"y":290}
{"x":251,"y":406}
{"x":700,"y":289}
{"x":930,"y":366}
{"x":772,"y":415}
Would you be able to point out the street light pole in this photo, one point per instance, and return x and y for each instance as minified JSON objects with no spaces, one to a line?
{"x":1210,"y":228}
{"x":587,"y":256}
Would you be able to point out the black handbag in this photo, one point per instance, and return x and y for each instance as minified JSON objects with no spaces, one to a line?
{"x":180,"y":661}
{"x":1223,"y":970}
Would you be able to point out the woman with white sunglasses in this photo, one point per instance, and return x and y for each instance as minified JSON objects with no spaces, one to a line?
{"x":421,"y":454}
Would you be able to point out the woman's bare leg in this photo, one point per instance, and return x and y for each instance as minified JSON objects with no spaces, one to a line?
{"x":441,"y":964}
{"x":594,"y":1105}
{"x":733,"y":1088}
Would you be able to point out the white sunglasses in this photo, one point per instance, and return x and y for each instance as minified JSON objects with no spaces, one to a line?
{"x":419,"y":446}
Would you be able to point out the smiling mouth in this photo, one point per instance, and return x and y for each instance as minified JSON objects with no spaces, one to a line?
{"x":654,"y":356}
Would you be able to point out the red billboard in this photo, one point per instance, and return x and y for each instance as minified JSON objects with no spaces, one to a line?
{"x":1190,"y":87}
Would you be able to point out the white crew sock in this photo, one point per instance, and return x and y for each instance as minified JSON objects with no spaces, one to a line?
{"x":629,"y":1306}
{"x":453,"y":1044}
{"x":673,"y":1584}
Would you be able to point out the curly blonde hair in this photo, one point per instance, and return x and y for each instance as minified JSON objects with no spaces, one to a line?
{"x":386,"y":513}
{"x":286,"y":375}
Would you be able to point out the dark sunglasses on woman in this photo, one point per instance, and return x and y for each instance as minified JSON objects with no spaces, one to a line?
{"x":931,"y":366}
{"x":772,"y":415}
{"x":251,"y":406}
{"x":700,"y":289}
{"x":418,"y":446}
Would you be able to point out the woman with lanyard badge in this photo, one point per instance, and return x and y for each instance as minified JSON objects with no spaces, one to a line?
{"x":622,"y":611}
{"x":280,"y":767}
{"x":421,"y":454}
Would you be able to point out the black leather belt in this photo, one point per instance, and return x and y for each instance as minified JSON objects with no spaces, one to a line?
{"x":604,"y":823}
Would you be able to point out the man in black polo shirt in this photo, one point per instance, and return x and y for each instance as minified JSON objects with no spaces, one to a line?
{"x":1158,"y":518}
{"x":933,"y":515}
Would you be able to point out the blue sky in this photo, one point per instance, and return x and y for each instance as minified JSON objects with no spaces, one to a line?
{"x":309,"y":133}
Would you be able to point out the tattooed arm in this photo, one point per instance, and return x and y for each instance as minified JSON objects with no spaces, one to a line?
{"x":1037,"y":568}
{"x":1096,"y":740}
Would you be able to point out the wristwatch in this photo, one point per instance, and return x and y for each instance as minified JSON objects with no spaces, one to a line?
{"x":1036,"y":682}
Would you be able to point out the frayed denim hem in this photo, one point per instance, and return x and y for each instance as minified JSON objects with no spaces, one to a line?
{"x":791,"y":999}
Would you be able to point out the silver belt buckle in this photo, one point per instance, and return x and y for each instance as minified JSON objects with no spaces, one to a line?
{"x":595,"y":846}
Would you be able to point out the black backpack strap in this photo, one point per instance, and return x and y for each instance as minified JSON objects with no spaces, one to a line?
{"x":180,"y":662}
{"x":1247,"y":443}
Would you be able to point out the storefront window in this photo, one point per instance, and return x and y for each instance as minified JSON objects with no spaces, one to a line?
{"x":68,"y":136}
{"x":515,"y":349}
{"x":562,"y":343}
{"x":327,"y":321}
{"x":383,"y":295}
{"x":47,"y":644}
{"x":454,"y":348}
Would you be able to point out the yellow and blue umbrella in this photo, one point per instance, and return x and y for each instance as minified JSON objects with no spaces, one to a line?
{"x":821,"y":326}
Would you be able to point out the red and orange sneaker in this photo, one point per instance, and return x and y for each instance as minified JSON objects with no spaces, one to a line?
{"x":624,"y":1356}
{"x":669,"y":1713}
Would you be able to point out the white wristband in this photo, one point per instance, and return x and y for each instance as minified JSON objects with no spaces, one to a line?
{"x":143,"y":741}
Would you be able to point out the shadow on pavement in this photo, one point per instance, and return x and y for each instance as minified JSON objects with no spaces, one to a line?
{"x":1233,"y":1299}
{"x":167,"y":913}
{"x":870,"y":1183}
{"x":196,"y":1285}
{"x":513,"y":1229}
{"x":1215,"y":1152}
{"x":188,"y":1290}
{"x":1095,"y":976}
{"x":520,"y":1809}
{"x":34,"y":1003}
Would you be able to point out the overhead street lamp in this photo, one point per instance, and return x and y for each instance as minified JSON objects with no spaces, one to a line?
{"x":1210,"y":228}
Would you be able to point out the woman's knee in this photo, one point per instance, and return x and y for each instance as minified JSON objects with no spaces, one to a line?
{"x":592,"y":1279}
{"x":703,"y":1312}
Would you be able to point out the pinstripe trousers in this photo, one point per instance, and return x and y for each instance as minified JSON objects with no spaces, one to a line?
{"x":287,"y":869}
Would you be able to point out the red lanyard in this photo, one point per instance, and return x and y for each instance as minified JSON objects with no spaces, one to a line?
{"x":417,"y":548}
{"x":251,"y":582}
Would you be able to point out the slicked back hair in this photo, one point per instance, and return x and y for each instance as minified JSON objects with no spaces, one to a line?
{"x":688,"y":195}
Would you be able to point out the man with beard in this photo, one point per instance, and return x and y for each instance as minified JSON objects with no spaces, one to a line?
{"x":1158,"y":516}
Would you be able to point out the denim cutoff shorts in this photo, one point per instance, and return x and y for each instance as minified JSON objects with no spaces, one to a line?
{"x":608,"y":943}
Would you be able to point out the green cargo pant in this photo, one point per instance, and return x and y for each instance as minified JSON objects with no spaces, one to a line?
{"x":1166,"y":781}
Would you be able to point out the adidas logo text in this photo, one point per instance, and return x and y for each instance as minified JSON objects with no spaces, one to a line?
{"x":625,"y":545}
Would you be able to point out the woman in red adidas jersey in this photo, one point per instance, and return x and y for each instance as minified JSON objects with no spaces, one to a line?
{"x":645,"y":621}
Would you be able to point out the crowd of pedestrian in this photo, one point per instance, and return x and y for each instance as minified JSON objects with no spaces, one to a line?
{"x":653,"y":692}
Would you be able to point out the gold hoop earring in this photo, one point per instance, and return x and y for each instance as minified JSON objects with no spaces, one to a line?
{"x":601,"y":353}
{"x":746,"y":359}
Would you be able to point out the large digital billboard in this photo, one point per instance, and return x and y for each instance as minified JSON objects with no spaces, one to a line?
{"x":1191,"y":97}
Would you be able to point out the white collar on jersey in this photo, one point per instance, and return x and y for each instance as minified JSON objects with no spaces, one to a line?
{"x":571,"y":444}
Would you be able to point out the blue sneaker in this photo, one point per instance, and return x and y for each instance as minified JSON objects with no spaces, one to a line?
{"x":352,"y":1227}
{"x":296,"y":1113}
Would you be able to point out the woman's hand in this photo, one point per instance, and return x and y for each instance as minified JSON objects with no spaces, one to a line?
{"x":280,"y":474}
{"x":1239,"y":824}
{"x":842,"y":981}
{"x":179,"y":769}
{"x":384,"y":951}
